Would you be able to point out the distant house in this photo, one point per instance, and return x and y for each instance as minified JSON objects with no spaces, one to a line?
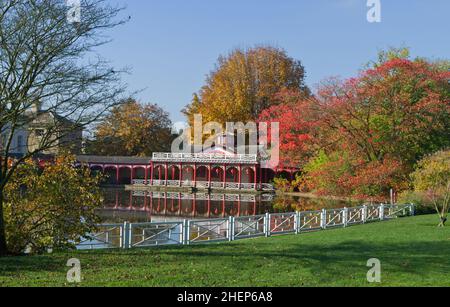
{"x":18,"y":146}
{"x":36,"y":126}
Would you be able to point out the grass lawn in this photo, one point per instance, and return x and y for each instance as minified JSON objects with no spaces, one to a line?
{"x":412,"y":251}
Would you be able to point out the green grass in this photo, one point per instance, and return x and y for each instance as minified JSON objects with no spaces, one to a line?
{"x":413,"y":252}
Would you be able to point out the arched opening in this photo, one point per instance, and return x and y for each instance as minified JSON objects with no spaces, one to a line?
{"x":96,"y":170}
{"x":110,"y":174}
{"x":139,"y":173}
{"x":159,"y":173}
{"x":202,"y":173}
{"x":232,"y":174}
{"x":125,"y":175}
{"x":188,"y":173}
{"x":173,"y":172}
{"x":248,"y":175}
{"x":217,"y":174}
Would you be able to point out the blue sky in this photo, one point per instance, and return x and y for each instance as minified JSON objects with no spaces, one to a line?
{"x":170,"y":45}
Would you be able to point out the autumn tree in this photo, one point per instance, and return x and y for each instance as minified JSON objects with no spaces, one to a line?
{"x":386,"y":120}
{"x":47,"y":59}
{"x":399,"y":109}
{"x":51,"y":207}
{"x":432,"y":180}
{"x":132,"y":129}
{"x":368,"y":132}
{"x":244,"y":82}
{"x":297,"y":124}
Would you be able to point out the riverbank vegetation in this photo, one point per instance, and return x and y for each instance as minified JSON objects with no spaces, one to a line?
{"x":412,"y":251}
{"x":366,"y":135}
{"x":50,"y":207}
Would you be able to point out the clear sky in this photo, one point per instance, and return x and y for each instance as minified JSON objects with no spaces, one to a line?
{"x":170,"y":45}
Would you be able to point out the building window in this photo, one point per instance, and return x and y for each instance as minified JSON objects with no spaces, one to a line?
{"x":20,"y":148}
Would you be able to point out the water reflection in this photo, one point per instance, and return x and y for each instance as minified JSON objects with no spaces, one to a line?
{"x":140,"y":206}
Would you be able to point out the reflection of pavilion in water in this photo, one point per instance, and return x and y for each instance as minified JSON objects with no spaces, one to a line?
{"x":164,"y":206}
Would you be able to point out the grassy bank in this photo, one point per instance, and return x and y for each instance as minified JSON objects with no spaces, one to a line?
{"x":413,"y":252}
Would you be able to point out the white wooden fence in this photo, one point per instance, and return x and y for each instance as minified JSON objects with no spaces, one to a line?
{"x":189,"y":232}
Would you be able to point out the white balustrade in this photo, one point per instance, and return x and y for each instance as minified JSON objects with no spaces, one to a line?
{"x":107,"y":236}
{"x":155,"y":234}
{"x":205,"y":158}
{"x":186,"y":232}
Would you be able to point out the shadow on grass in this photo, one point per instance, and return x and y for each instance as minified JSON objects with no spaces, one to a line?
{"x":418,"y":258}
{"x":327,"y":261}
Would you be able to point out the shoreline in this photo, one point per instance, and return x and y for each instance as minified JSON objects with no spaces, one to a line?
{"x":325,"y":197}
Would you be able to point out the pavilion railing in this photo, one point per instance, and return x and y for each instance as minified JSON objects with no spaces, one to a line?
{"x":203,"y":157}
{"x":204,"y":184}
{"x":189,"y":232}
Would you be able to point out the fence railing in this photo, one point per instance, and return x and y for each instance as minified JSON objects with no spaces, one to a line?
{"x":107,"y":236}
{"x":189,"y":232}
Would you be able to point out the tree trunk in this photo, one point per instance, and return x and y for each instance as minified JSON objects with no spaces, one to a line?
{"x":443,"y":221}
{"x":3,"y":246}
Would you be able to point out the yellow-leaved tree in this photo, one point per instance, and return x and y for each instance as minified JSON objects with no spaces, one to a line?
{"x":50,"y":207}
{"x":432,"y":181}
{"x":245,"y":83}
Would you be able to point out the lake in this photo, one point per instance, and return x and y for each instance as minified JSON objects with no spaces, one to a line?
{"x":139,"y":206}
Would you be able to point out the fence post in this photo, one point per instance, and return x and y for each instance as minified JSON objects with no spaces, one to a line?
{"x":267,"y":225}
{"x":126,"y":235}
{"x":323,"y":219}
{"x":412,"y":209}
{"x":382,"y":212}
{"x":130,"y":235}
{"x":188,"y":233}
{"x":230,"y":229}
{"x":121,"y":235}
{"x":184,"y":228}
{"x":297,"y":222}
{"x":345,"y":217}
{"x":364,"y":214}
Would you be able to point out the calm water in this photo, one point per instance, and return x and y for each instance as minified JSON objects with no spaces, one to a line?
{"x":138,"y":206}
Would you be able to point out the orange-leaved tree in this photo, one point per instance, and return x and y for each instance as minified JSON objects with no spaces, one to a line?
{"x":132,"y":129}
